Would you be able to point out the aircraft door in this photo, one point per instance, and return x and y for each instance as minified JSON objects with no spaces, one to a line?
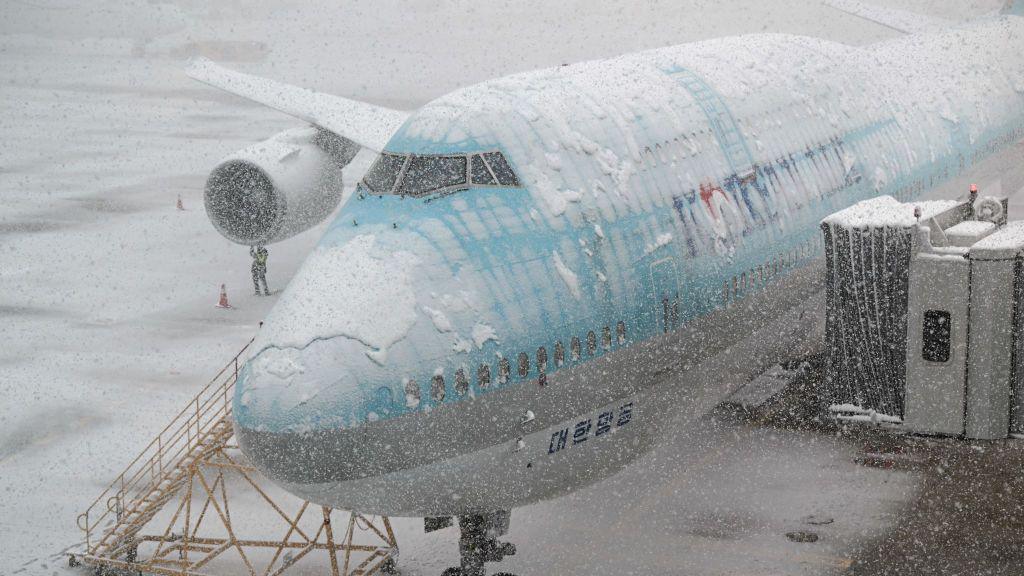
{"x":665,"y":290}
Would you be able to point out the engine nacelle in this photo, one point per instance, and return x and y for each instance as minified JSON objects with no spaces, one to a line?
{"x":278,"y":188}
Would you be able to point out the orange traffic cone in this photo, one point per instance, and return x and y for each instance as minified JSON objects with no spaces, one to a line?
{"x":223,"y":303}
{"x":180,"y":205}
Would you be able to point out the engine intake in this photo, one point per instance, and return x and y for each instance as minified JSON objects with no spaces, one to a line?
{"x":278,"y":188}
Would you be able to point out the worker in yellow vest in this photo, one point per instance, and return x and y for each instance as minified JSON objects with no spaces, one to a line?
{"x":259,"y":268}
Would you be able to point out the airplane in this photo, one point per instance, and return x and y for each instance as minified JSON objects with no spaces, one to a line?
{"x":489,"y":319}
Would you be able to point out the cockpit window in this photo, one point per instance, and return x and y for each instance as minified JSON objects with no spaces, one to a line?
{"x":501,"y":169}
{"x":481,"y":173}
{"x":380,"y":179}
{"x":422,"y":175}
{"x":427,"y":174}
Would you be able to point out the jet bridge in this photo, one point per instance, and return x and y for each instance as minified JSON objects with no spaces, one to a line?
{"x":925,"y":313}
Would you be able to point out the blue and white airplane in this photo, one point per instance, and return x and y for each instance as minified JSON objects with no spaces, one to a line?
{"x":492,"y":317}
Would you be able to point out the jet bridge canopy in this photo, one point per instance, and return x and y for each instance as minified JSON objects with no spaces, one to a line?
{"x":925,"y":314}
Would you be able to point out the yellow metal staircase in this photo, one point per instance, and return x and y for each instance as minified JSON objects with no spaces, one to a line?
{"x":176,"y":465}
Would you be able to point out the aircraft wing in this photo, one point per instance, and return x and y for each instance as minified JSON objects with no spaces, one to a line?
{"x":899,"y":20}
{"x":365,"y":124}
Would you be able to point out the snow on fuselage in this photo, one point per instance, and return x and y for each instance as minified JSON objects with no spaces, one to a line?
{"x":492,"y":342}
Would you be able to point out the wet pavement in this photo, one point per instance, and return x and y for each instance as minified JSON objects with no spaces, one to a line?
{"x":967,"y":515}
{"x":968,"y":518}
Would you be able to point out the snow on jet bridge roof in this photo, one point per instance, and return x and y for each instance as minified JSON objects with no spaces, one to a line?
{"x":886,"y":211}
{"x":1006,"y":243}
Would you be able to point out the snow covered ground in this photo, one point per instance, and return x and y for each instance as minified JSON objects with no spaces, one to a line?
{"x":107,"y":291}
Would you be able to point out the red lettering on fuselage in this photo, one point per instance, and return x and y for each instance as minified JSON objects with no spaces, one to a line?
{"x":707,"y":192}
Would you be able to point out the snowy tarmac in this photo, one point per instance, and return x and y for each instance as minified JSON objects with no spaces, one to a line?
{"x":719,"y":499}
{"x":107,"y":292}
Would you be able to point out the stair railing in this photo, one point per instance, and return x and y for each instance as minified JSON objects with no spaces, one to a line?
{"x":159,"y":460}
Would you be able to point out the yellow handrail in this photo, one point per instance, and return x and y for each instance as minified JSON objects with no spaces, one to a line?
{"x":210,"y":406}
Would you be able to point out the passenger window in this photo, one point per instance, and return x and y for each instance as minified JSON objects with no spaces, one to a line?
{"x":501,"y":169}
{"x":620,"y":332}
{"x":542,"y":360}
{"x":437,"y":388}
{"x":591,"y":342}
{"x":524,"y":364}
{"x":481,"y":175}
{"x":938,"y":330}
{"x":606,"y":338}
{"x":483,"y":376}
{"x":412,"y":394}
{"x":461,"y":382}
{"x":504,"y":371}
{"x":559,"y":354}
{"x":575,"y":349}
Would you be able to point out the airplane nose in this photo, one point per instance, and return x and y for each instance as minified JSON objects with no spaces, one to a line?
{"x":322,"y":365}
{"x":297,"y":412}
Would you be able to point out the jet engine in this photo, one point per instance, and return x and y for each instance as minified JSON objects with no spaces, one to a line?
{"x":278,"y":188}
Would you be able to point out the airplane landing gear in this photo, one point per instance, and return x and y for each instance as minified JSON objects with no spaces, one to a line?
{"x":479,"y":543}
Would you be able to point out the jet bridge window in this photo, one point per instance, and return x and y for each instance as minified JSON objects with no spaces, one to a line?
{"x":937,"y":332}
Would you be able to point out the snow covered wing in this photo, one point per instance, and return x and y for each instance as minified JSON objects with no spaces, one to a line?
{"x":899,"y":20}
{"x":368,"y":125}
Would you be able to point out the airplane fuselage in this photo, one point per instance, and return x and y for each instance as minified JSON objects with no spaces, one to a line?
{"x":485,"y":342}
